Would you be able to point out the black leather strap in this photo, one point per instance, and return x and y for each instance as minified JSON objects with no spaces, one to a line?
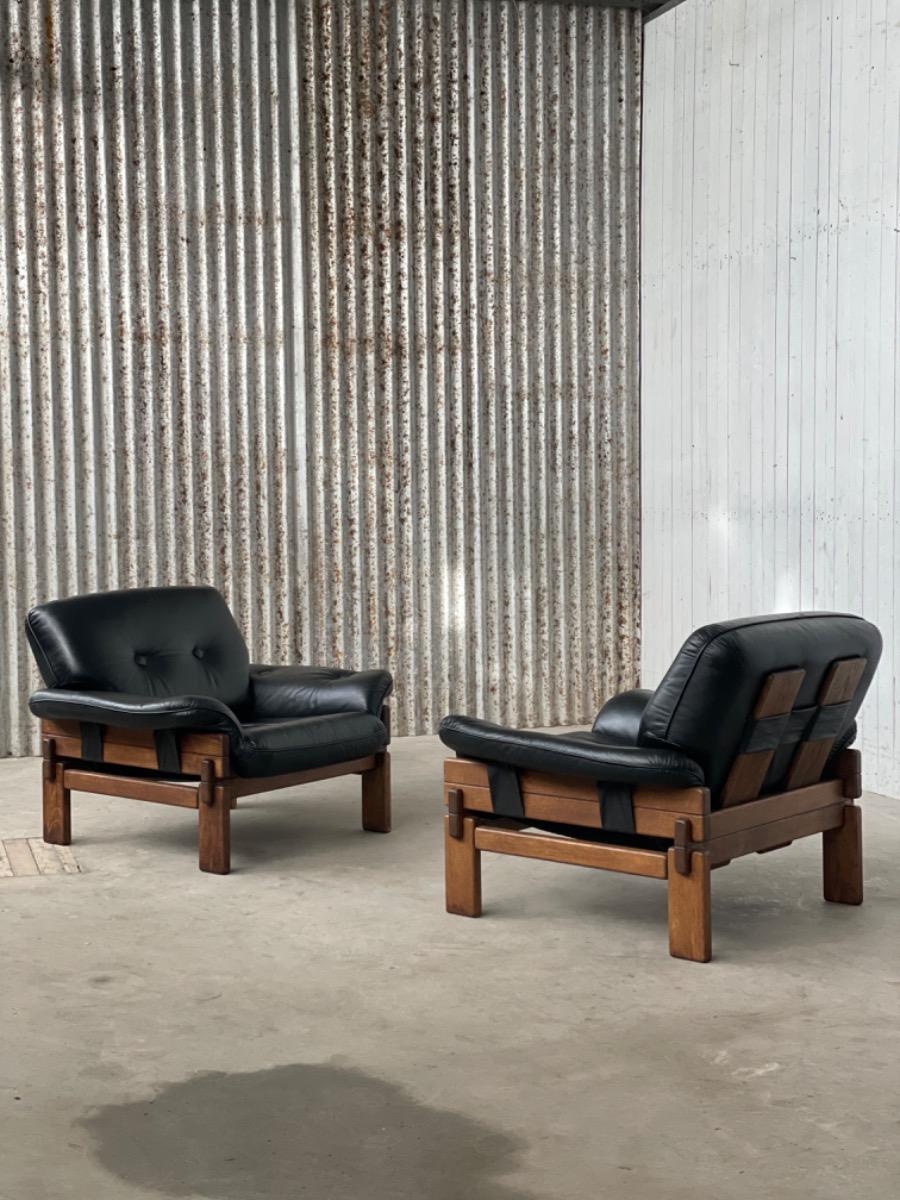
{"x":506,"y":794}
{"x":91,"y":741}
{"x":768,"y":733}
{"x":168,"y":758}
{"x":812,"y":724}
{"x":616,"y":807}
{"x":828,"y":722}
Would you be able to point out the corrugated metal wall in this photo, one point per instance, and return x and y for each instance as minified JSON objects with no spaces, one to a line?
{"x":333,"y":304}
{"x":771,"y":311}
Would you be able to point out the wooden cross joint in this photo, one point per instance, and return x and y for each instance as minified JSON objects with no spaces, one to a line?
{"x":684,"y":845}
{"x":50,"y":760}
{"x":207,"y":781}
{"x":455,"y":812}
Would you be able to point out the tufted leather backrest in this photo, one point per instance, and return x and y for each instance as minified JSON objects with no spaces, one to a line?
{"x":709,"y":703}
{"x":167,"y":641}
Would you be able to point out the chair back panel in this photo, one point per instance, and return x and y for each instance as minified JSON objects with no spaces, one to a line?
{"x":165,"y":641}
{"x":760,"y":702}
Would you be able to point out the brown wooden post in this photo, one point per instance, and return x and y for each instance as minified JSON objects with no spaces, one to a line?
{"x":215,"y":821}
{"x":376,"y":795}
{"x":690,"y":923}
{"x":842,"y":869}
{"x":462,"y":863}
{"x":57,"y":799}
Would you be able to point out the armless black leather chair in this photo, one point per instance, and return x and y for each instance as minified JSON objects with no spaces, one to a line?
{"x":742,"y":748}
{"x":151,"y":695}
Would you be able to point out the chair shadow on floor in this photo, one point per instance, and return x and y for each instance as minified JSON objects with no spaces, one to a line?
{"x":322,"y":1131}
{"x":274,"y":835}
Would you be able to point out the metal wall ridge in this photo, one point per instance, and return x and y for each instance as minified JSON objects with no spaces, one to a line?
{"x":333,"y":305}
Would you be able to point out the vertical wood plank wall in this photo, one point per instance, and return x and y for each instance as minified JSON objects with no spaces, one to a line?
{"x":333,"y":304}
{"x":770,"y":325}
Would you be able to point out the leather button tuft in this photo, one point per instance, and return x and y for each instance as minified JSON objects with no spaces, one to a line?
{"x":141,"y":660}
{"x":198,"y":652}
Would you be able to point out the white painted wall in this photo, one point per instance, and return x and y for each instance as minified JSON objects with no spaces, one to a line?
{"x":771,"y":325}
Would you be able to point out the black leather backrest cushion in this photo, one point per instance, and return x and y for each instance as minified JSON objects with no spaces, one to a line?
{"x":706,"y":700}
{"x":149,"y":641}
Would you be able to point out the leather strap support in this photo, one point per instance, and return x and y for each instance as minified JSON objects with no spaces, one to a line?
{"x":91,"y":741}
{"x":168,"y":758}
{"x":506,"y":793}
{"x":812,"y":724}
{"x":768,"y":733}
{"x":827,"y":723}
{"x":616,"y":807}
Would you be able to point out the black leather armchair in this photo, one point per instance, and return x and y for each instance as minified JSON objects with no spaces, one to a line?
{"x":743,"y":747}
{"x":150,"y":693}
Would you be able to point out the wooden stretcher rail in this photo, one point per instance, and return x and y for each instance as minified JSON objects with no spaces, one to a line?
{"x":570,"y":850}
{"x":238,"y":786}
{"x":774,"y":834}
{"x":775,"y":808}
{"x":158,"y":791}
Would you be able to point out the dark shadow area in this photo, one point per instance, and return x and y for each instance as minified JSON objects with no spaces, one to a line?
{"x":290,"y":827}
{"x":268,"y":836}
{"x":320,"y":1131}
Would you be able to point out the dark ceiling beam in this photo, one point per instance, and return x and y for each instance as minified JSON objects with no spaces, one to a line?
{"x":644,"y":6}
{"x":652,"y":11}
{"x":649,"y":8}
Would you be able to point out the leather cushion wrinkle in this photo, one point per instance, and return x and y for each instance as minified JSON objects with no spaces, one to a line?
{"x":295,"y":691}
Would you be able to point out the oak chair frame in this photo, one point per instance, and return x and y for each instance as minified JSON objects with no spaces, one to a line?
{"x":702,"y":839}
{"x":206,"y":782}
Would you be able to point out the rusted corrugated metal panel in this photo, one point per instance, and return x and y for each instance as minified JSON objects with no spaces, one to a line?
{"x":333,"y":304}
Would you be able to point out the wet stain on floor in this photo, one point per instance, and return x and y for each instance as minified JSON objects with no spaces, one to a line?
{"x":321,"y":1131}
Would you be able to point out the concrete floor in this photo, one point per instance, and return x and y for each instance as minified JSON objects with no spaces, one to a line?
{"x":315,"y":1026}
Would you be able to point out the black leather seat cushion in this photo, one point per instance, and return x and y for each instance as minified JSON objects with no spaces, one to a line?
{"x":582,"y":753}
{"x":305,"y":743}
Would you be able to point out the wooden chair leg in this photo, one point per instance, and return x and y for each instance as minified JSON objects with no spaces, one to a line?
{"x":215,"y":823}
{"x":690,"y":923}
{"x":57,"y":805}
{"x":842,"y":859}
{"x":376,"y":795}
{"x":462,"y":870}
